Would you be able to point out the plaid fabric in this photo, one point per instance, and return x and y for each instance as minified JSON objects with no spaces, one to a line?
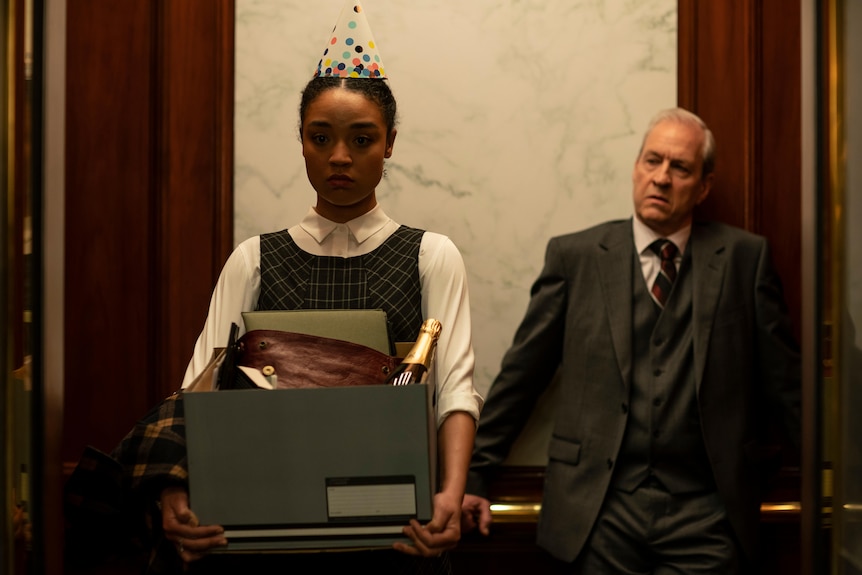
{"x":387,"y":278}
{"x":110,"y":500}
{"x":153,"y":456}
{"x":153,"y":453}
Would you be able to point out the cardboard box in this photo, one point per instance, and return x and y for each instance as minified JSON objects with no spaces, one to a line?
{"x":294,"y":469}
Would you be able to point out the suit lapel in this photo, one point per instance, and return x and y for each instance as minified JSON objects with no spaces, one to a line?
{"x":708,"y":265}
{"x":616,"y":251}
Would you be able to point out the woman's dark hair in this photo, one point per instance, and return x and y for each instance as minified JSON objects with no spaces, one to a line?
{"x":376,"y":90}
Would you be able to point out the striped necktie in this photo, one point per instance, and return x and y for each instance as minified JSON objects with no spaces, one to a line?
{"x":666,"y":251}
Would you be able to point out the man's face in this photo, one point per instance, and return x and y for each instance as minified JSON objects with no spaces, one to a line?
{"x":667,"y":177}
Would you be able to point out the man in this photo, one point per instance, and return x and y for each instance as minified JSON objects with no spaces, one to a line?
{"x":669,"y":356}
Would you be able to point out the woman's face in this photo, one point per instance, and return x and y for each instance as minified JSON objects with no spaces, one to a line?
{"x":344,"y":142}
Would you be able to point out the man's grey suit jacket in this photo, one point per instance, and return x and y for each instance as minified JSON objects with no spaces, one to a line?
{"x":579,"y":321}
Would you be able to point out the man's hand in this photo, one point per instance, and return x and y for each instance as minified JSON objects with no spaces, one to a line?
{"x":440,"y":534}
{"x":476,"y":512}
{"x":181,"y":526}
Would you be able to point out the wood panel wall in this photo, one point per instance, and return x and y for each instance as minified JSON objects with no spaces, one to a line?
{"x":148,"y":202}
{"x":149,"y":181}
{"x":740,"y":70}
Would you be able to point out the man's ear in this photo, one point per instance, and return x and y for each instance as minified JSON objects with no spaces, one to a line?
{"x":390,"y":143}
{"x":707,"y":187}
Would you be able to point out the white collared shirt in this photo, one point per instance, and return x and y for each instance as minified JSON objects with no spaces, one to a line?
{"x":444,"y":297}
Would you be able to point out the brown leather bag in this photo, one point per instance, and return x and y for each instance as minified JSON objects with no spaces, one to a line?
{"x":300,"y":361}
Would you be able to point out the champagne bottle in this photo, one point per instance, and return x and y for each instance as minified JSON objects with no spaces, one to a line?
{"x":414,"y":368}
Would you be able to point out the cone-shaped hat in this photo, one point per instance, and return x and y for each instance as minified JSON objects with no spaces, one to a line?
{"x":351,"y":51}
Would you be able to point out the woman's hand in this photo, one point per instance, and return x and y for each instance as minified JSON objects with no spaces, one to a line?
{"x":440,"y":534}
{"x":180,"y":525}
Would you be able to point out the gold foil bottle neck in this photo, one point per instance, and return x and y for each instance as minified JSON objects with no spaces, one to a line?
{"x":432,"y":327}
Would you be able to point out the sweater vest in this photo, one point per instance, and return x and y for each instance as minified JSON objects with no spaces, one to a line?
{"x":386,"y":278}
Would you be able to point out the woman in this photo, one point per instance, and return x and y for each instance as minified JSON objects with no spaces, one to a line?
{"x":347,"y":127}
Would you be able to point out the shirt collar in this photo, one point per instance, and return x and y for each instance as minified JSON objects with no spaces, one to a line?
{"x":644,"y":236}
{"x":361,"y":228}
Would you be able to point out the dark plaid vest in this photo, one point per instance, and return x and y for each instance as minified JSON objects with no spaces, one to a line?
{"x":386,"y":278}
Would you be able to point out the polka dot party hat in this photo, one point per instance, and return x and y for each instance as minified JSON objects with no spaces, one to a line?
{"x":351,"y":51}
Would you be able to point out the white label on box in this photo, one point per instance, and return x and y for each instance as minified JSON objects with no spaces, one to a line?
{"x":371,"y":500}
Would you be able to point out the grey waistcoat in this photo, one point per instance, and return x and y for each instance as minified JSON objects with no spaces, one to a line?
{"x":663,"y":437}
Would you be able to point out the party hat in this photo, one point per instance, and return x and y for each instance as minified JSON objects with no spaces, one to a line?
{"x":351,"y":51}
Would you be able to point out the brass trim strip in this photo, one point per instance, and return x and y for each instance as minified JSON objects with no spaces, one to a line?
{"x":530,"y":511}
{"x":783,"y":508}
{"x":515,"y":512}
